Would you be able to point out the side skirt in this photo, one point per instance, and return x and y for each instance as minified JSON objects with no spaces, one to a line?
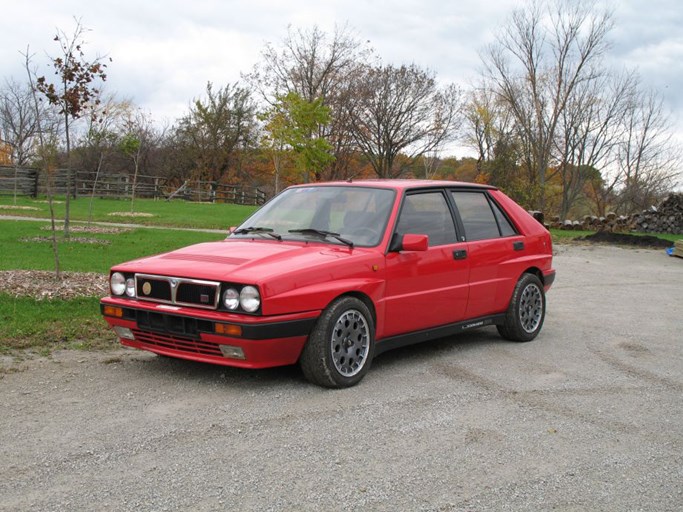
{"x":412,"y":338}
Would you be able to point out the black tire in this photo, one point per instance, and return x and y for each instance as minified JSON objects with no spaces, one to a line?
{"x":526,"y":312}
{"x":339,"y":351}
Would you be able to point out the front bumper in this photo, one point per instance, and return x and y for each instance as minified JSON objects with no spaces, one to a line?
{"x":189,"y":333}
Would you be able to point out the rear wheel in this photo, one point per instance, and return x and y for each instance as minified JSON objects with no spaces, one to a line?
{"x":526,"y":312}
{"x":339,"y":351}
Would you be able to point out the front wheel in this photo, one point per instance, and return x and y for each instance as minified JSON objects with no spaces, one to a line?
{"x":339,"y":351}
{"x":526,"y":312}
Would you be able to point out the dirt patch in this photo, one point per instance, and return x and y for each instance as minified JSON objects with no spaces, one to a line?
{"x":645,"y":241}
{"x":73,"y":240}
{"x":130,"y":214}
{"x":13,"y":207}
{"x":43,"y":285}
{"x":106,"y":230}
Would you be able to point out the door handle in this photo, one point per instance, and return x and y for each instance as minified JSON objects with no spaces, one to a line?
{"x":460,"y":254}
{"x":518,"y":246}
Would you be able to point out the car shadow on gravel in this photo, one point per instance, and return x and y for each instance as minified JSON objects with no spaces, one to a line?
{"x":167,"y":370}
{"x":172,"y":370}
{"x":428,"y":351}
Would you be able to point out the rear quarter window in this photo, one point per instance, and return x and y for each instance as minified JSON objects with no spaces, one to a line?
{"x":481,"y":218}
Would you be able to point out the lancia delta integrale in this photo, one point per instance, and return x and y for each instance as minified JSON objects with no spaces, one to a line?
{"x":330,"y":275}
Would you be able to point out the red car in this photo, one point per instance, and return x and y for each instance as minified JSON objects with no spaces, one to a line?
{"x":330,"y":275}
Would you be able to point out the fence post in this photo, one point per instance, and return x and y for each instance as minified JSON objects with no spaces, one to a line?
{"x":34,"y":192}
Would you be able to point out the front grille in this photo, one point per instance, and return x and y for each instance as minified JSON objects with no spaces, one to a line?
{"x":180,"y":343}
{"x":152,"y":288}
{"x":190,"y":293}
{"x":177,"y":290}
{"x":172,"y":324}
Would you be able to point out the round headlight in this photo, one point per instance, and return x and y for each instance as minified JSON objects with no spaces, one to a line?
{"x":250,"y":300}
{"x":130,"y":287}
{"x":118,"y":283}
{"x":231,"y":298}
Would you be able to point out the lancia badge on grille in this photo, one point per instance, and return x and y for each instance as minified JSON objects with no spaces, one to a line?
{"x":174,"y":283}
{"x":147,"y":288}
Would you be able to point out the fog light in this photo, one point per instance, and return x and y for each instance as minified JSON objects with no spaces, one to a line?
{"x":124,"y":332}
{"x":232,"y":352}
{"x":130,"y":287}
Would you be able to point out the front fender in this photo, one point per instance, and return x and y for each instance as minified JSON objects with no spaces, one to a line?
{"x":318,"y":296}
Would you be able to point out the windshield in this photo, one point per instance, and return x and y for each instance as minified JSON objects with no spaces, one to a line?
{"x":356,"y":214}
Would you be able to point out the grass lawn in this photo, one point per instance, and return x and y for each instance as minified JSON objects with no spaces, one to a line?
{"x":51,"y":324}
{"x":48,"y":324}
{"x":18,"y":252}
{"x":561,"y":235}
{"x":177,"y":213}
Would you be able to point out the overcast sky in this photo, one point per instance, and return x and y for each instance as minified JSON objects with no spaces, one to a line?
{"x":164,"y":52}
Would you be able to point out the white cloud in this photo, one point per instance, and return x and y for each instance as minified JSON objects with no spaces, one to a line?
{"x":164,"y":52}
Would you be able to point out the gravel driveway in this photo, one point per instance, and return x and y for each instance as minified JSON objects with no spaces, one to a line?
{"x":589,"y":416}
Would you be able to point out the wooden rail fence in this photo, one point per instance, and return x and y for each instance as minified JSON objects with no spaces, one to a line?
{"x":32,"y":183}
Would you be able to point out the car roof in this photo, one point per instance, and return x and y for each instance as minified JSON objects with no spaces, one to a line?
{"x":399,"y":184}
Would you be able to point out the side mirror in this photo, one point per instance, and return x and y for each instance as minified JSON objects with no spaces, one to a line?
{"x":409,"y":242}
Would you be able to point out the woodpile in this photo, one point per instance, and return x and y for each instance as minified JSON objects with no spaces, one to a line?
{"x":666,"y":218}
{"x":610,"y":222}
{"x":678,"y":248}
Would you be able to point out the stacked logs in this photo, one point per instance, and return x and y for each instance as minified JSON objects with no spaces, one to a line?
{"x":667,"y":218}
{"x":610,"y":222}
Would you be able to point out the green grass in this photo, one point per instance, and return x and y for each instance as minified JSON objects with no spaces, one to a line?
{"x":86,"y":257}
{"x":177,"y":213}
{"x":560,"y":235}
{"x":49,"y":324}
{"x":46,"y":325}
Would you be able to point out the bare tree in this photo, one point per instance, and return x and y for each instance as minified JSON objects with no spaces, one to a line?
{"x":19,"y":121}
{"x":488,"y":126}
{"x":99,"y":145}
{"x":648,"y":157}
{"x":46,"y":156}
{"x":316,"y":66}
{"x":137,"y":136}
{"x":589,"y":132}
{"x":401,"y":110}
{"x":541,"y":56}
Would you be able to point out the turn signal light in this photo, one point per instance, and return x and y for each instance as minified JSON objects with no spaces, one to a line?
{"x":113,"y":311}
{"x":228,"y":329}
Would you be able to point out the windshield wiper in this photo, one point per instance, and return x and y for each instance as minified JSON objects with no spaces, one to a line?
{"x":257,"y":230}
{"x":322,"y":234}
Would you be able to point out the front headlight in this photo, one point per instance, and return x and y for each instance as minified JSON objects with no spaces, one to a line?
{"x":231,"y":299}
{"x":117,"y":283}
{"x":250,"y":300}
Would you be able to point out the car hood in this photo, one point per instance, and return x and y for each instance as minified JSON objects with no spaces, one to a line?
{"x":247,"y":261}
